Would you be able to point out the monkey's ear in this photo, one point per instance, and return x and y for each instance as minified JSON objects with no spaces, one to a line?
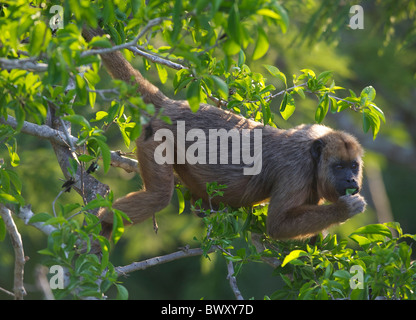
{"x":316,"y":149}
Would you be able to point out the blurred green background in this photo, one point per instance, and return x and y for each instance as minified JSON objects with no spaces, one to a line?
{"x":382,"y":55}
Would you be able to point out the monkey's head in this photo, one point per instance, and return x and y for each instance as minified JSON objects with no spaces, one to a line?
{"x":338,"y":163}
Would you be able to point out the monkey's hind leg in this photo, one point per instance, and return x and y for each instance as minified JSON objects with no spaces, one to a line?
{"x":158,"y":187}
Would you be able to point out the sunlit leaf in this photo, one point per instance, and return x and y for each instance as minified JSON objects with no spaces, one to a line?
{"x":293,"y":255}
{"x":262,"y":44}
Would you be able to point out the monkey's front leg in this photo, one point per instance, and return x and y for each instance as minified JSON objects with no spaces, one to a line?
{"x":305,"y":221}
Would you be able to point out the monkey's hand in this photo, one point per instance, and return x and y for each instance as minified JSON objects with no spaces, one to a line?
{"x":352,"y":204}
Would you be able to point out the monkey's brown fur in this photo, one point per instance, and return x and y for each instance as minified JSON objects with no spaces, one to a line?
{"x":291,"y":179}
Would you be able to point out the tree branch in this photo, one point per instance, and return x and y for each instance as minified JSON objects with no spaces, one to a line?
{"x":47,"y":133}
{"x":142,"y":265}
{"x":23,"y":64}
{"x":156,"y":59}
{"x":233,"y":281}
{"x":26,"y":214}
{"x":19,"y":259}
{"x":132,"y":43}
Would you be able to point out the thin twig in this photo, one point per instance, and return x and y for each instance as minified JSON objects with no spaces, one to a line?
{"x":142,"y":265}
{"x":7,"y":292}
{"x":151,"y":24}
{"x":156,"y":59}
{"x":233,"y":281}
{"x":19,"y":259}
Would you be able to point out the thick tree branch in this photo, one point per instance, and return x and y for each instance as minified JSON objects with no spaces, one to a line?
{"x":26,"y":214}
{"x":23,"y":64}
{"x":86,"y":185}
{"x":19,"y":259}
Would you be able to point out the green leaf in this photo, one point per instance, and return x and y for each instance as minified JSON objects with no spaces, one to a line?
{"x":231,"y":47}
{"x":96,"y":203}
{"x":283,"y":22}
{"x":122,"y":293}
{"x":7,"y":198}
{"x":100,"y":115}
{"x":221,"y":86}
{"x":349,"y":192}
{"x":241,"y":58}
{"x":181,"y":79}
{"x":100,"y":42}
{"x":78,"y":119}
{"x":342,"y":274}
{"x":374,"y":229}
{"x":2,"y":229}
{"x":362,"y":241}
{"x":105,"y":153}
{"x":46,"y":252}
{"x":163,"y":74}
{"x":40,"y":217}
{"x":268,"y":13}
{"x":118,"y":226}
{"x":324,"y":77}
{"x":366,"y":122}
{"x":334,"y":105}
{"x":234,"y":24}
{"x":181,"y":201}
{"x":293,"y":255}
{"x":368,"y":94}
{"x":108,"y":12}
{"x":92,"y":97}
{"x":40,"y":37}
{"x":14,"y":178}
{"x":267,"y":113}
{"x":177,"y":21}
{"x":276,"y":73}
{"x":322,"y":109}
{"x":55,"y":220}
{"x":288,"y":107}
{"x":300,"y":91}
{"x":396,"y":226}
{"x":81,"y":89}
{"x":262,"y":44}
{"x":14,"y":157}
{"x":193,"y":95}
{"x":105,"y":245}
{"x":376,"y":110}
{"x":371,"y":119}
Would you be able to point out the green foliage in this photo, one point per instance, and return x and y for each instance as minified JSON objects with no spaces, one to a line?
{"x":329,"y":269}
{"x":73,"y":246}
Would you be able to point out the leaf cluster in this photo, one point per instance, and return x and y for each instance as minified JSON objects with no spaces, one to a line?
{"x":328,"y":269}
{"x":73,"y":246}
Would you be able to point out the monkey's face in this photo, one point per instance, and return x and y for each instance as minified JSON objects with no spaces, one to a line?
{"x":339,"y":177}
{"x":347,"y":176}
{"x":339,"y":165}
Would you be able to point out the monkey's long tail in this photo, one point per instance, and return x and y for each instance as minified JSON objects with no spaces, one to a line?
{"x":120,"y":68}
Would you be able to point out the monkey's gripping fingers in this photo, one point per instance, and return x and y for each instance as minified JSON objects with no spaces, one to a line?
{"x":354,"y":204}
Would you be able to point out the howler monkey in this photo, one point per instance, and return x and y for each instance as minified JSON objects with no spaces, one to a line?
{"x":300,"y":168}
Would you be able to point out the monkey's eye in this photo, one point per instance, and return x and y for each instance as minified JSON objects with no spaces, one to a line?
{"x":354,"y":165}
{"x":339,"y":167}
